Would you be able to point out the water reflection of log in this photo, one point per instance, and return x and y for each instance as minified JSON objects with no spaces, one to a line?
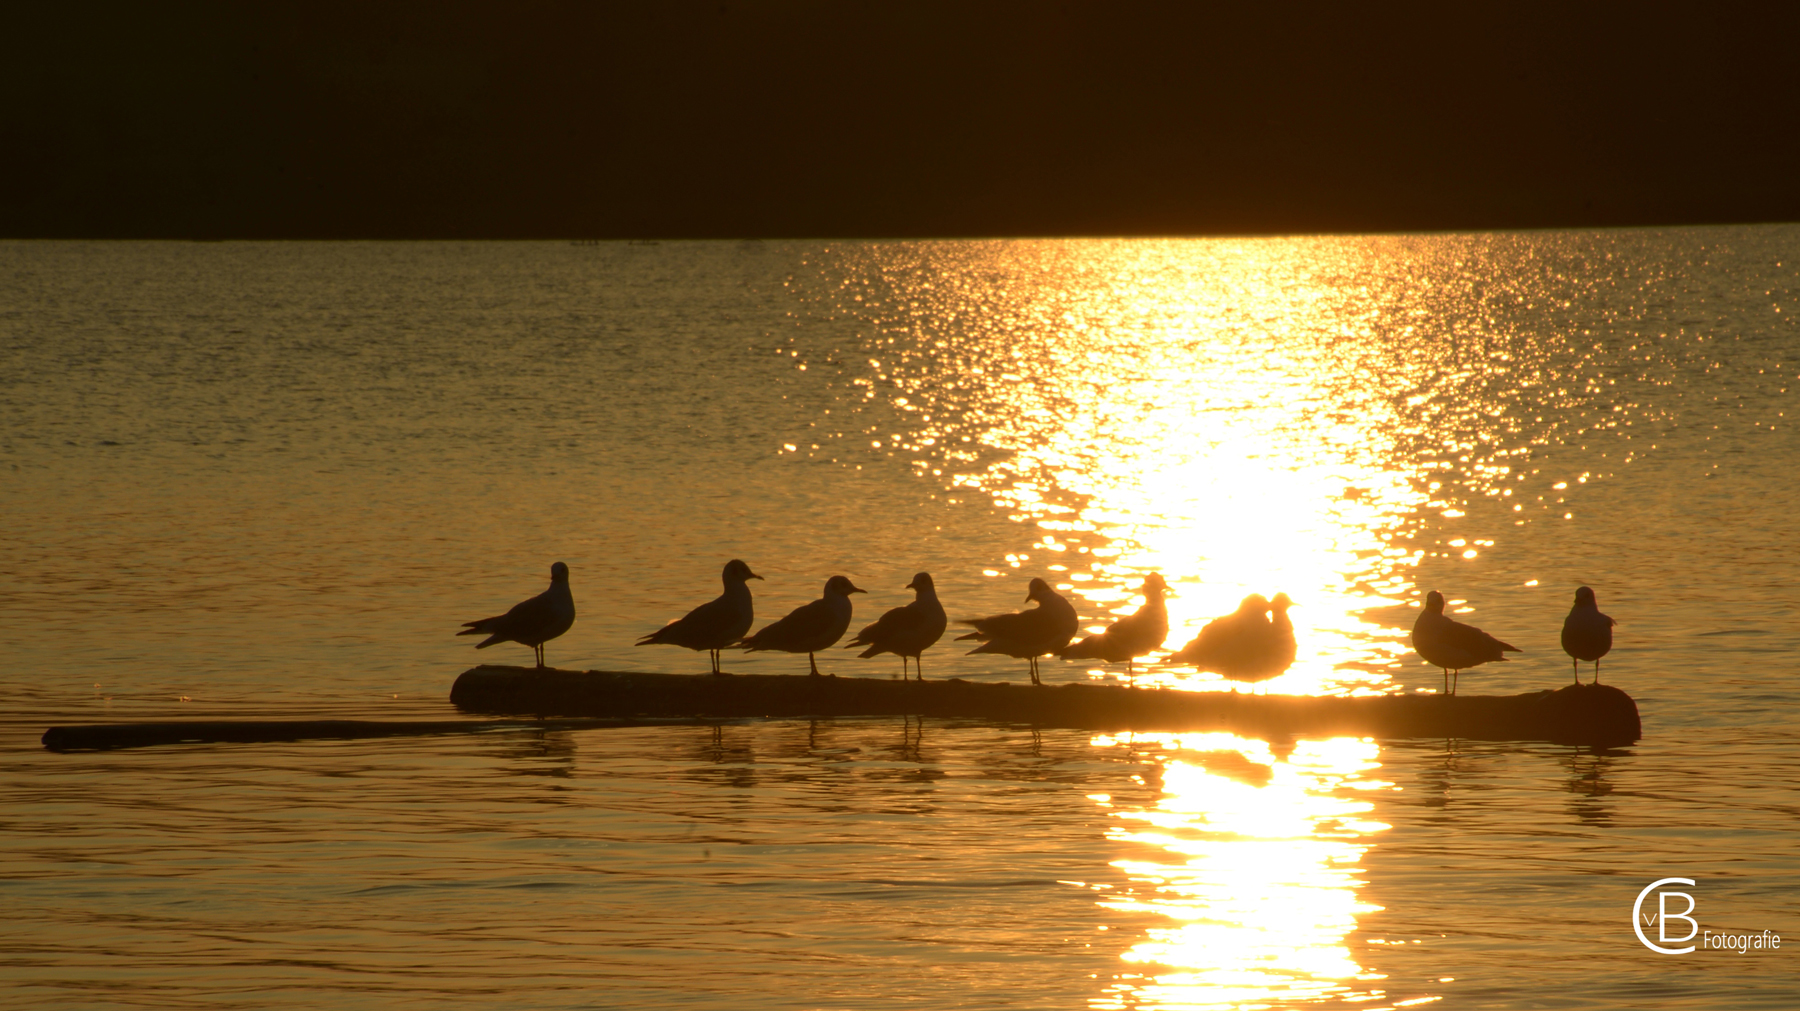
{"x":1573,"y":714}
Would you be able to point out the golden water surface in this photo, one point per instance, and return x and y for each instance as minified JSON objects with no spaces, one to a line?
{"x":251,"y":480}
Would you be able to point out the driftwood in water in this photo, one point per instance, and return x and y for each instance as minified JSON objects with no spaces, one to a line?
{"x":1584,"y":714}
{"x":111,"y":736}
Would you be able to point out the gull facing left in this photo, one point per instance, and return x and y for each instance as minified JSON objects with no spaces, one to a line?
{"x":1028,"y":635}
{"x":1452,"y":645}
{"x":531,"y":622}
{"x":906,"y":631}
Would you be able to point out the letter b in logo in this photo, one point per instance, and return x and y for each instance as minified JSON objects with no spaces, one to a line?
{"x":1640,"y":919}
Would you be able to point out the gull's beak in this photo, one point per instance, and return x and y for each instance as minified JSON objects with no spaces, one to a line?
{"x":755,"y":576}
{"x":857,"y":589}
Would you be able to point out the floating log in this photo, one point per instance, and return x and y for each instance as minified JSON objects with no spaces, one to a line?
{"x":111,"y":736}
{"x":1599,"y":715}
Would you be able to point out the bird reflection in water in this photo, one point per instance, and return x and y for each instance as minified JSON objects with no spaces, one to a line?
{"x":538,"y":753}
{"x":912,"y":738}
{"x":1253,"y":858}
{"x":1588,"y":784}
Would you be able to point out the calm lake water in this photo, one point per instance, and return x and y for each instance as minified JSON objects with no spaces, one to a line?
{"x":250,"y":480}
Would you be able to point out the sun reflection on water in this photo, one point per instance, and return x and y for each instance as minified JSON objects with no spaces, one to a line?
{"x":1310,"y":416}
{"x":1252,"y":855}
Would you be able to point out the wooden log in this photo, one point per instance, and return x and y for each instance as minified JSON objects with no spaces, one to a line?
{"x":1599,"y":715}
{"x":111,"y":736}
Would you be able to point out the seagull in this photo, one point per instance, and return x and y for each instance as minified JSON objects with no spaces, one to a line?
{"x":532,"y":622}
{"x":1452,"y":645}
{"x":1281,"y":647}
{"x":906,"y":631}
{"x":810,"y":627}
{"x":1236,"y":646}
{"x":1129,"y":637}
{"x":1587,"y":634}
{"x":715,"y":624}
{"x":1028,"y":635}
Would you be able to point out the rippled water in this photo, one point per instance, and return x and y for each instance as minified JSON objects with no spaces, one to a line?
{"x":247,"y":480}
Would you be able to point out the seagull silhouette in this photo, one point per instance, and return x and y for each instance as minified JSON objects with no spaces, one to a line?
{"x":1028,"y":635}
{"x":1241,"y":646}
{"x":906,"y":631}
{"x":1131,"y":636}
{"x":532,"y":622}
{"x":715,"y":624}
{"x":1586,"y":634}
{"x":1452,"y":645}
{"x":809,"y":627}
{"x":1281,"y":649}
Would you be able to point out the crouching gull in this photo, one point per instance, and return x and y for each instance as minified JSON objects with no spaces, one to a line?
{"x":1240,"y":646}
{"x":531,"y":622}
{"x":1282,"y":648}
{"x":715,"y":624}
{"x":906,"y":631}
{"x":810,"y":627}
{"x":1131,"y":636}
{"x":1028,"y":635}
{"x":1586,"y":634}
{"x":1452,"y":645}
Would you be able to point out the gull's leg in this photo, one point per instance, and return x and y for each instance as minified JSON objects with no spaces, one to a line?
{"x":814,"y":664}
{"x":1596,"y":672}
{"x":1577,"y":665}
{"x":919,"y":666}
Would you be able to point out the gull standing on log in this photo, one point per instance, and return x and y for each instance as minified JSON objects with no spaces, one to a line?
{"x":1586,"y":634}
{"x":1236,"y":646}
{"x":1028,"y":635}
{"x":532,"y":622}
{"x":1131,"y":636}
{"x":1452,"y":645}
{"x":715,"y":624}
{"x":810,"y":627}
{"x":906,"y":631}
{"x":1281,"y":649}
